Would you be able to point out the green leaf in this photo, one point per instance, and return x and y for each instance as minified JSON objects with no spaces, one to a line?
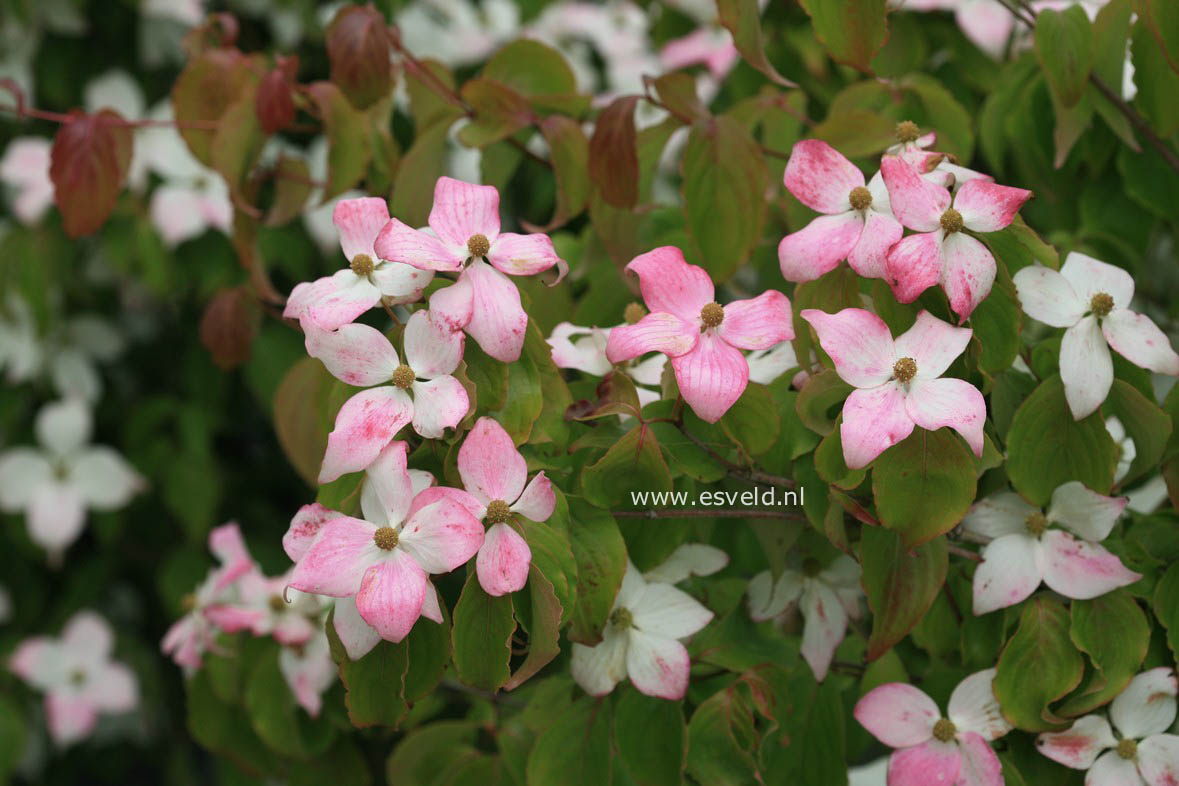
{"x":633,"y":463}
{"x":752,"y":422}
{"x":1046,"y":447}
{"x":1149,"y":180}
{"x":1114,"y":633}
{"x":429,"y":654}
{"x":601,"y":560}
{"x":575,"y":749}
{"x":349,"y":142}
{"x":1065,"y":47}
{"x":722,"y":739}
{"x":569,"y":152}
{"x":742,"y":18}
{"x":302,"y":416}
{"x":853,"y":31}
{"x":224,"y":728}
{"x":420,"y":168}
{"x":420,"y":755}
{"x":924,"y":485}
{"x":12,"y":735}
{"x":543,"y":626}
{"x":292,"y":187}
{"x":375,"y":684}
{"x":832,"y":467}
{"x":856,"y":132}
{"x":358,"y":49}
{"x":483,"y":628}
{"x":900,"y":583}
{"x":1161,"y":17}
{"x":821,"y":394}
{"x":427,"y":106}
{"x":650,"y":735}
{"x":724,"y":176}
{"x":996,"y":322}
{"x":275,"y":716}
{"x":539,"y":73}
{"x":1145,"y":423}
{"x":1038,"y":666}
{"x":810,"y":744}
{"x":1157,"y":84}
{"x":1165,"y":604}
{"x":499,"y":112}
{"x":613,"y":153}
{"x":205,"y":89}
{"x":524,"y":400}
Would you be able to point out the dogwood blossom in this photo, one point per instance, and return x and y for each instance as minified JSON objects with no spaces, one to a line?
{"x":464,"y":230}
{"x":336,"y":300}
{"x":384,"y":559}
{"x":25,"y":169}
{"x":1091,"y":300}
{"x":687,"y":560}
{"x":1143,"y":753}
{"x":914,"y":148}
{"x":710,"y":46}
{"x":1124,"y":445}
{"x":266,"y":607}
{"x":584,"y":349}
{"x":941,"y":252}
{"x":898,"y":384}
{"x":195,"y":633}
{"x":54,"y":485}
{"x":77,"y":676}
{"x":641,"y":640}
{"x":420,"y":391}
{"x":858,"y":224}
{"x":309,"y":671}
{"x":703,"y":338}
{"x":931,"y":748}
{"x":1026,"y":550}
{"x":495,"y":479}
{"x":827,"y":598}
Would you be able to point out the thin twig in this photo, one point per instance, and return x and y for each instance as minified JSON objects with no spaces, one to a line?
{"x":706,"y":513}
{"x":958,"y":551}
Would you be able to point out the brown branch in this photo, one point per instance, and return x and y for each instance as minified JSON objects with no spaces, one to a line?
{"x":958,"y":551}
{"x":706,"y":513}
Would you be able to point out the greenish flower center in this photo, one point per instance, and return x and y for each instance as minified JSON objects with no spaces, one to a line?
{"x":385,"y":538}
{"x":1127,"y":749}
{"x":1101,"y":304}
{"x":944,"y":730}
{"x":1036,"y":523}
{"x":622,"y":618}
{"x":362,"y":265}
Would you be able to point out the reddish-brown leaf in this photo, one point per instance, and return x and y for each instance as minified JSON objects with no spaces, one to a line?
{"x":614,"y":155}
{"x":89,"y":160}
{"x":228,"y":327}
{"x":274,"y":103}
{"x":358,"y":48}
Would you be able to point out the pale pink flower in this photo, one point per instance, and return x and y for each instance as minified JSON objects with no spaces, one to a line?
{"x":266,"y":607}
{"x":1024,"y":550}
{"x":827,"y":597}
{"x":1091,"y":299}
{"x":55,"y":485}
{"x":495,"y":478}
{"x":309,"y":671}
{"x":710,"y":46}
{"x":898,"y":382}
{"x":858,"y":224}
{"x":942,"y":253}
{"x":939,"y":168}
{"x":336,"y":300}
{"x":421,"y":391}
{"x":463,"y":231}
{"x":77,"y":676}
{"x":703,"y":339}
{"x":25,"y":168}
{"x":384,"y":559}
{"x":195,"y":633}
{"x":584,"y":349}
{"x":932,"y":749}
{"x":1142,"y":754}
{"x":641,"y":640}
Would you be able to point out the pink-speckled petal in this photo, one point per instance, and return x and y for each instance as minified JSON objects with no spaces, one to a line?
{"x":711,"y":377}
{"x":1139,"y":340}
{"x":874,"y":419}
{"x":522,"y":255}
{"x":1081,"y":570}
{"x":305,"y":525}
{"x":1009,"y":573}
{"x":897,"y":714}
{"x":358,"y":221}
{"x":932,"y":344}
{"x":934,"y":403}
{"x":337,"y":560}
{"x":1079,"y":746}
{"x":670,"y":284}
{"x":914,"y":265}
{"x":657,"y":332}
{"x":405,"y":245}
{"x":463,"y":209}
{"x":933,"y":762}
{"x":502,"y":564}
{"x":987,"y":207}
{"x":364,"y":426}
{"x":870,"y":254}
{"x":391,"y":595}
{"x":357,"y":354}
{"x":820,"y":176}
{"x":968,"y":272}
{"x":537,"y":501}
{"x":490,"y":465}
{"x":980,"y":765}
{"x":438,"y":404}
{"x":820,"y":246}
{"x":916,"y":202}
{"x":858,"y":342}
{"x":498,"y":321}
{"x":657,"y":666}
{"x":758,"y":323}
{"x":442,"y":535}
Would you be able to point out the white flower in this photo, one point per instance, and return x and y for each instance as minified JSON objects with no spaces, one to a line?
{"x":826,"y":597}
{"x":584,"y":349}
{"x":1127,"y":451}
{"x":641,"y":639}
{"x":55,"y":485}
{"x":1091,"y":299}
{"x":1142,"y":753}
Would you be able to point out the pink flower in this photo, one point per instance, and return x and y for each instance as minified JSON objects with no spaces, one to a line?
{"x":340,"y":298}
{"x":25,"y":167}
{"x":932,"y":749}
{"x":898,"y":384}
{"x":1143,"y":754}
{"x":384,"y":559}
{"x":942,"y":253}
{"x":495,"y":477}
{"x":703,"y":339}
{"x":913,"y":147}
{"x":193,"y":634}
{"x":1024,"y":551}
{"x":709,"y":46}
{"x":77,"y":676}
{"x":858,"y":225}
{"x":420,"y":391}
{"x":464,"y":229}
{"x":309,"y":671}
{"x":641,"y":640}
{"x":826,"y":597}
{"x":1091,"y":300}
{"x":265,"y":607}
